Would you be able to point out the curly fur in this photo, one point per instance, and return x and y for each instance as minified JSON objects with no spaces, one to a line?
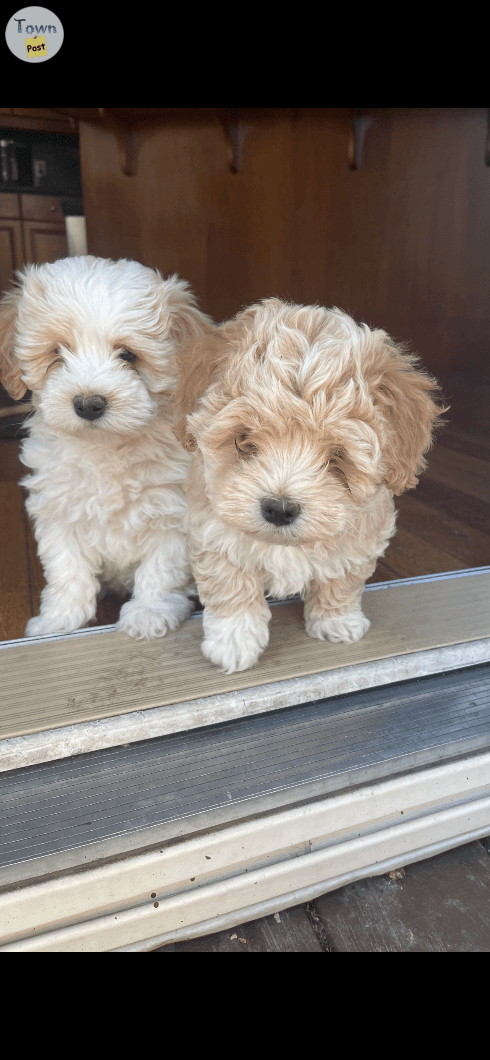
{"x":105,"y":495}
{"x":300,"y":405}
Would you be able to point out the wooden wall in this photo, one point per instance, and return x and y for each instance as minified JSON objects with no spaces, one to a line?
{"x":402,"y":243}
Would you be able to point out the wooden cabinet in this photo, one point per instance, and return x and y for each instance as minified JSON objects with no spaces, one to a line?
{"x":44,"y":242}
{"x":42,"y":208}
{"x":32,"y":229}
{"x":11,"y":244}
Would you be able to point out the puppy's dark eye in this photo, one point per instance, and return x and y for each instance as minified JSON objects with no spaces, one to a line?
{"x":245,"y":448}
{"x":57,"y":357}
{"x":332,"y":466}
{"x":126,"y":355}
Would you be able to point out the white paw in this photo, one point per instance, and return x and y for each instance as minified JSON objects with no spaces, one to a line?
{"x":235,"y":643}
{"x":48,"y":622}
{"x":144,"y":623}
{"x":343,"y":628}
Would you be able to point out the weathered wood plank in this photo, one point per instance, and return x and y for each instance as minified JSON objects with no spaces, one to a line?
{"x":441,"y":905}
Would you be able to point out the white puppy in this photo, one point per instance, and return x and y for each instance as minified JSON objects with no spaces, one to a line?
{"x":96,"y":341}
{"x":304,"y":425}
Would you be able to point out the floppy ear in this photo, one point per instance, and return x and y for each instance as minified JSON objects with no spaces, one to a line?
{"x":408,"y":399}
{"x":198,"y":363}
{"x":186,"y":320}
{"x":10,"y":371}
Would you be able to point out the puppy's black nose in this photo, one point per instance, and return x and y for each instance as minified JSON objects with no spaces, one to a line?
{"x":279,"y":510}
{"x":90,"y":408}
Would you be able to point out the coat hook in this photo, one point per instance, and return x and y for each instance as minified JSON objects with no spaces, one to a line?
{"x":128,"y":141}
{"x":362,"y":122}
{"x":236,"y":134}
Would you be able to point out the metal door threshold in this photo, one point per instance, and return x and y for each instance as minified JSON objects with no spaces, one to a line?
{"x":76,"y":811}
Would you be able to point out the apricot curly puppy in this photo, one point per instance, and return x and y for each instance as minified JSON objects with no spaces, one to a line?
{"x":304,"y":424}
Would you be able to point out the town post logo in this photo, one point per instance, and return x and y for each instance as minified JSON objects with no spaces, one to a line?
{"x":34,"y":34}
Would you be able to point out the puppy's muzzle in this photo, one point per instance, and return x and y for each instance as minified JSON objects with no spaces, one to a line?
{"x":90,"y":408}
{"x":279,"y":510}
